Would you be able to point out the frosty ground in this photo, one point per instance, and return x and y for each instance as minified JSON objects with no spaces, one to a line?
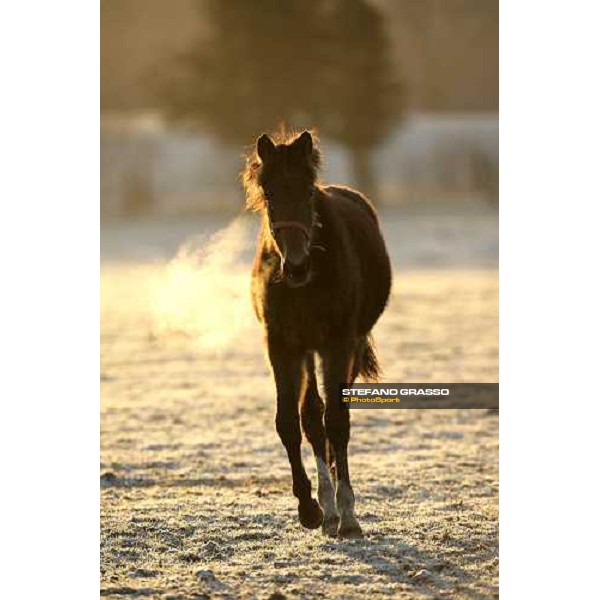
{"x":195,"y":486}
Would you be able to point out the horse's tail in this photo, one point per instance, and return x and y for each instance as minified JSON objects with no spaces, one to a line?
{"x":366,"y":357}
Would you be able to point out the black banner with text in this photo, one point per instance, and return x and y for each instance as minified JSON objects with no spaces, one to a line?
{"x":420,"y":395}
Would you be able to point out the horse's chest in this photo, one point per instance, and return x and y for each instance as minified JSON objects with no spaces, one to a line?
{"x":301,"y":319}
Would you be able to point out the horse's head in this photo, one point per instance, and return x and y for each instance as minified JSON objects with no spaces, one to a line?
{"x":287,"y":180}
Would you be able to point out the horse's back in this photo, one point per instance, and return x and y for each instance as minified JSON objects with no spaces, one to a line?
{"x":361,"y":223}
{"x":354,"y":197}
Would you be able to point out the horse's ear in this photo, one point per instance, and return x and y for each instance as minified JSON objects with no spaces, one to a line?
{"x":265,"y":147}
{"x":305,"y":143}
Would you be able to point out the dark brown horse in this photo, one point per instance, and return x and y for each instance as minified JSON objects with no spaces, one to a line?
{"x":321,"y":279}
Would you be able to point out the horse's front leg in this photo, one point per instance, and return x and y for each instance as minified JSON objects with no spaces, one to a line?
{"x":311,"y":416}
{"x":338,"y":368}
{"x":290,"y":379}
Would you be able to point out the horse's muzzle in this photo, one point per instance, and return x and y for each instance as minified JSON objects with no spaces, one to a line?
{"x":297,"y":275}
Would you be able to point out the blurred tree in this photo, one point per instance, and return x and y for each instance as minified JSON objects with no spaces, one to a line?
{"x":321,"y":63}
{"x":362,"y":97}
{"x":253,"y":69}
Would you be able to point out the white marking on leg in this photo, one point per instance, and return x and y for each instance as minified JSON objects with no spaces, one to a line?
{"x":325,"y":491}
{"x":344,"y":499}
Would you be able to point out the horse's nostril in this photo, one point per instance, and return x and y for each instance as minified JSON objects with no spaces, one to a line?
{"x":297,"y":272}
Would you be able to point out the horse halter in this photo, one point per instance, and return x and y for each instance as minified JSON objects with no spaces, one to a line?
{"x":291,"y":225}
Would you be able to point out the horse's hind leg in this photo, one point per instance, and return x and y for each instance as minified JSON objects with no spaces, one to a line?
{"x":311,"y":412}
{"x":338,"y":367}
{"x":289,"y":372}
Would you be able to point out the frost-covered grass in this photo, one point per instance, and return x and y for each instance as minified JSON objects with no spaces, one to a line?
{"x":195,"y":485}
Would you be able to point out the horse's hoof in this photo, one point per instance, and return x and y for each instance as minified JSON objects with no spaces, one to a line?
{"x":350,"y":531}
{"x":311,"y":515}
{"x":330,"y":525}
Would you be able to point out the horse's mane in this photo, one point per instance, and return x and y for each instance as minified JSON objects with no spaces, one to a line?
{"x":255,"y":199}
